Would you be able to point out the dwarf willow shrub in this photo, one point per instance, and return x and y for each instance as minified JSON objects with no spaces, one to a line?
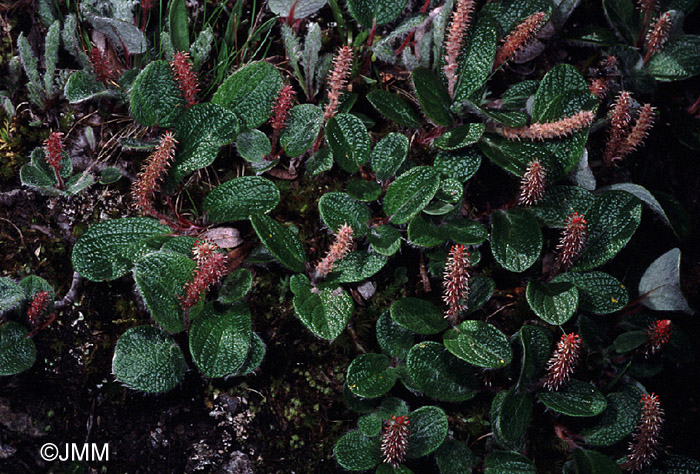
{"x":574,"y":352}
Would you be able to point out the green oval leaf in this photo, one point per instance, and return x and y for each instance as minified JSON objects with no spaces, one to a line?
{"x":177,"y":25}
{"x":598,"y":292}
{"x":235,"y":286}
{"x":371,"y":375}
{"x":280,"y":241}
{"x":240,"y":197}
{"x":253,"y":145}
{"x":425,"y":232}
{"x":419,"y":316}
{"x":410,"y":193}
{"x":17,"y":351}
{"x":554,"y":303}
{"x":303,"y":126}
{"x":367,"y":12}
{"x":460,"y":137}
{"x":460,"y":165}
{"x":433,"y":96}
{"x":503,"y":462}
{"x":348,"y":139}
{"x":510,"y":418}
{"x":338,"y":208}
{"x":394,"y":340}
{"x":256,"y":354}
{"x":147,"y":359}
{"x":454,"y":457}
{"x":480,"y":344}
{"x":559,"y":202}
{"x":357,"y":266}
{"x":356,"y":452}
{"x":388,"y":155}
{"x":200,"y":132}
{"x":678,"y":60}
{"x":612,"y":220}
{"x":160,"y":278}
{"x":428,"y":431}
{"x":618,"y":420}
{"x":516,"y":239}
{"x":537,"y":347}
{"x":394,"y":107}
{"x":466,"y":231}
{"x":11,"y":294}
{"x":155,"y":97}
{"x":385,"y":240}
{"x":593,"y":462}
{"x":107,"y":250}
{"x":250,"y":92}
{"x":440,"y":375}
{"x":81,"y":86}
{"x":578,"y":398}
{"x":324,"y":312}
{"x":219,"y":341}
{"x":476,"y":63}
{"x":365,"y":191}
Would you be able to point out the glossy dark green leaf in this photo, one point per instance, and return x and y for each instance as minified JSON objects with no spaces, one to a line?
{"x":460,"y":137}
{"x":503,"y":462}
{"x":394,"y":340}
{"x":368,"y":12}
{"x":160,"y":278}
{"x":280,"y":241}
{"x":480,"y":344}
{"x":178,"y":27}
{"x":537,"y":344}
{"x":388,"y":155}
{"x":155,"y":97}
{"x":618,"y":420}
{"x":480,"y":291}
{"x":516,"y":239}
{"x":419,"y":316}
{"x":612,"y":220}
{"x":454,"y":457}
{"x":348,"y":139}
{"x":147,"y":359}
{"x":440,"y":375}
{"x":560,"y":202}
{"x":433,"y":96}
{"x":623,"y":16}
{"x":358,"y":266}
{"x":107,"y":250}
{"x":476,"y":63}
{"x":410,"y":193}
{"x":303,"y":125}
{"x":11,"y":294}
{"x":678,"y":60}
{"x":362,"y":190}
{"x":337,"y":209}
{"x":250,"y":92}
{"x":82,"y":86}
{"x":580,"y":399}
{"x":235,"y":286}
{"x":630,"y":341}
{"x":510,"y":417}
{"x":17,"y":352}
{"x":554,"y":303}
{"x":324,"y":312}
{"x":424,"y":232}
{"x":219,"y":340}
{"x":428,"y":430}
{"x":385,"y":239}
{"x":460,"y":165}
{"x":598,"y":292}
{"x":562,"y":92}
{"x":371,"y":375}
{"x":466,"y":231}
{"x":394,"y":107}
{"x":240,"y":197}
{"x":593,"y":462}
{"x":256,"y":354}
{"x":253,"y":145}
{"x":356,"y":452}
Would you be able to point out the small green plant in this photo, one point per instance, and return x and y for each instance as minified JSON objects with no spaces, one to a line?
{"x":30,"y":305}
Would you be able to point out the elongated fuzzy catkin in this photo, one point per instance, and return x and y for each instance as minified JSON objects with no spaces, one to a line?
{"x":519,"y":38}
{"x":395,"y":440}
{"x":461,"y":18}
{"x":211,"y":267}
{"x":558,"y":129}
{"x":645,"y":440}
{"x":340,"y":247}
{"x":562,"y":363}
{"x":186,"y":78}
{"x":572,"y":241}
{"x":338,"y":80}
{"x":148,"y":182}
{"x":456,"y":282}
{"x":533,"y":184}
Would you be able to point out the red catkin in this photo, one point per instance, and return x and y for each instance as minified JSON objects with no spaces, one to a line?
{"x":519,"y":38}
{"x":395,"y":440}
{"x":659,"y":333}
{"x":563,"y":362}
{"x":658,"y":35}
{"x":148,"y":183}
{"x":338,"y":80}
{"x":340,"y":247}
{"x":558,"y":129}
{"x":532,"y":184}
{"x":572,"y":241}
{"x":461,"y":18}
{"x":100,"y":66}
{"x":280,"y":112}
{"x":37,"y":307}
{"x":53,"y":148}
{"x":645,"y":440}
{"x":456,"y":282}
{"x":185,"y":77}
{"x":211,"y":267}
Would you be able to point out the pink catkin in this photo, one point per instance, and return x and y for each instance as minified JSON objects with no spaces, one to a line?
{"x":338,"y":80}
{"x":658,"y":35}
{"x":148,"y":183}
{"x":572,"y":241}
{"x":456,"y":282}
{"x":659,"y":333}
{"x":519,"y":38}
{"x":340,"y":247}
{"x":461,"y":18}
{"x":37,"y":307}
{"x":395,"y":440}
{"x":558,"y":129}
{"x":211,"y":268}
{"x":645,"y":440}
{"x":640,"y":130}
{"x":563,"y":362}
{"x":619,"y":120}
{"x":53,"y":148}
{"x":533,"y":184}
{"x":280,"y":112}
{"x":185,"y":77}
{"x":599,"y":87}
